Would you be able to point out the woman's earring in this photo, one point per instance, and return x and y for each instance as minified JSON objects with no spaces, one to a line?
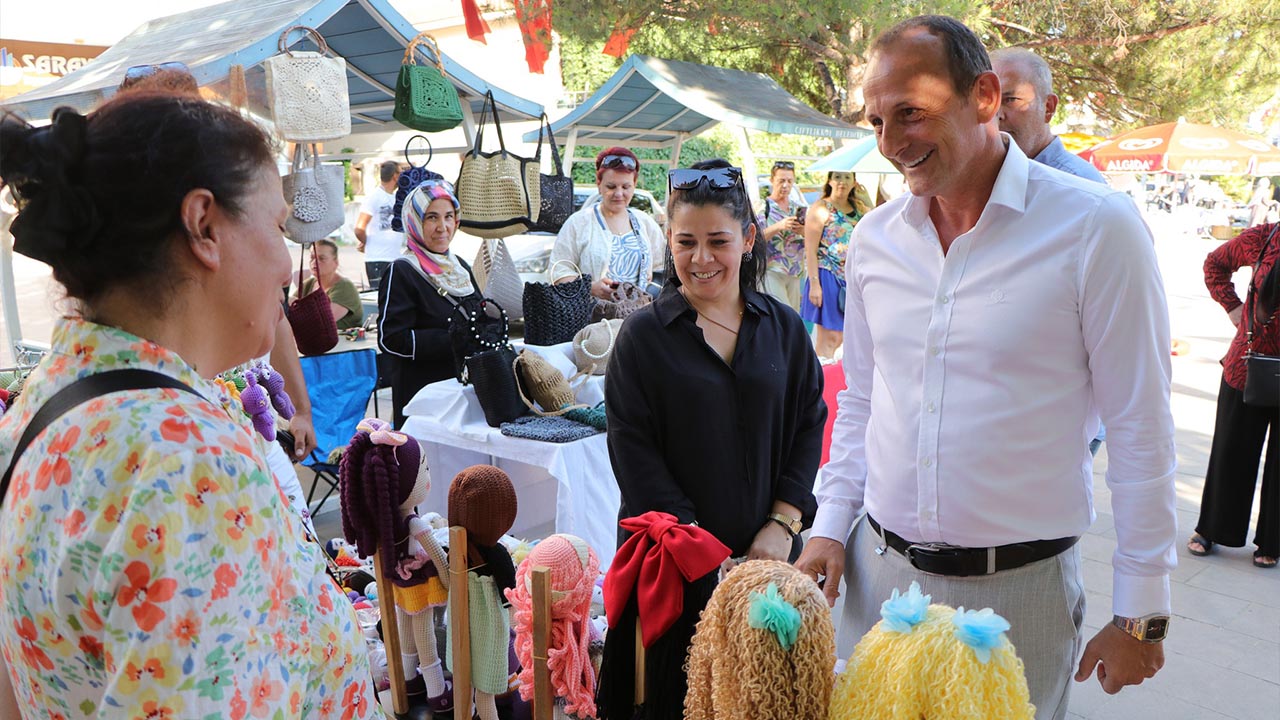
{"x":746,"y":256}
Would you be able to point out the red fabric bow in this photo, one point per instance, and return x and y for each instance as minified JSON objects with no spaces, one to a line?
{"x":656,"y":561}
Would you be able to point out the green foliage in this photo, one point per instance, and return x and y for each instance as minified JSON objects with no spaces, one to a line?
{"x":1135,"y":62}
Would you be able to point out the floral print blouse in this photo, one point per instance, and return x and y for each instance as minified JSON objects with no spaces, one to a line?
{"x":834,"y":245}
{"x":152,"y":568}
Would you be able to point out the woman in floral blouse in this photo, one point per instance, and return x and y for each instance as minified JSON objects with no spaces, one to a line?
{"x":152,"y":567}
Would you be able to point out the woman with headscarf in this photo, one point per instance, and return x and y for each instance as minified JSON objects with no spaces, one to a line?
{"x":419,"y":293}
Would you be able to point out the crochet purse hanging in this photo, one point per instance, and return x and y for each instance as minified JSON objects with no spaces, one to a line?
{"x":411,"y":178}
{"x":309,"y":101}
{"x":425,"y":99}
{"x":311,"y":317}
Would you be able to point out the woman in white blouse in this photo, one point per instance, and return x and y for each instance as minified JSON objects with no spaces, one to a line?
{"x":608,"y":240}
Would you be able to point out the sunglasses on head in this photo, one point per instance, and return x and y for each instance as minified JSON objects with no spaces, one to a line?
{"x":784,"y":165}
{"x":612,"y":161}
{"x":716,"y":178}
{"x":137,"y":72}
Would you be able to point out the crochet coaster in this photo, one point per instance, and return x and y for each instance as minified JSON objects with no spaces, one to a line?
{"x":547,"y":429}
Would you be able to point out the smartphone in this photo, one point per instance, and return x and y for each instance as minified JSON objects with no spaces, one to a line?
{"x":800,"y":214}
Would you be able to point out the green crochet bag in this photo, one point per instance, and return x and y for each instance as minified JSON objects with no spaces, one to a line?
{"x":425,"y":99}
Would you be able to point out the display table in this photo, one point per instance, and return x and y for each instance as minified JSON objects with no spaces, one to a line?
{"x":561,"y":487}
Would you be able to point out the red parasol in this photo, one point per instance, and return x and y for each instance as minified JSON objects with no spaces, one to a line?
{"x":1183,"y":147}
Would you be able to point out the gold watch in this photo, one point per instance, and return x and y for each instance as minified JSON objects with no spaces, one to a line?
{"x":1148,"y":628}
{"x":793,"y":526}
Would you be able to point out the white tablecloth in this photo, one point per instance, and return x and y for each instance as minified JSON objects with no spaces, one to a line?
{"x":561,"y":487}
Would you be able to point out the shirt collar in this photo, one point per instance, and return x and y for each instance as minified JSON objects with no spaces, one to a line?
{"x":1051,"y":152}
{"x":671,"y":304}
{"x":1010,"y":189}
{"x":89,"y":347}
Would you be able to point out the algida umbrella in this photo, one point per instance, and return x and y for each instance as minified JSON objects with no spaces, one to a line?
{"x":1183,"y":147}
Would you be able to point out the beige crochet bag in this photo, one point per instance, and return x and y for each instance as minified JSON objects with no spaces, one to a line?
{"x":309,"y":101}
{"x":592,"y":347}
{"x":546,"y":384}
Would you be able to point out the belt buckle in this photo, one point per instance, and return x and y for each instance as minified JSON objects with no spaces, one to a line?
{"x":927,"y":557}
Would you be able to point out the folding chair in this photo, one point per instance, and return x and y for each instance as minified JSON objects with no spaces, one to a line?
{"x":339,"y":385}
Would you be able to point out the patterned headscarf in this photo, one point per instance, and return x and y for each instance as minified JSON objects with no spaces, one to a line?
{"x":443,"y":270}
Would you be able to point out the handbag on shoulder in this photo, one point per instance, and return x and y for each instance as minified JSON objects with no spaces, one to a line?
{"x":1262,"y":372}
{"x":411,"y":178}
{"x":425,"y":99}
{"x":314,"y":193}
{"x":311,"y":317}
{"x":499,"y":192}
{"x":309,"y":101}
{"x":476,"y":327}
{"x":501,"y":282}
{"x":554,"y":313}
{"x":555,"y":190}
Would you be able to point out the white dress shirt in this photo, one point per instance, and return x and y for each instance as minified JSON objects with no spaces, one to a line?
{"x":976,"y":378}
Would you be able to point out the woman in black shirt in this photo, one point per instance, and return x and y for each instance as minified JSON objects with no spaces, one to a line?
{"x":714,"y":392}
{"x":419,"y":293}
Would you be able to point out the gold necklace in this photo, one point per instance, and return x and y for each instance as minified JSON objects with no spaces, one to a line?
{"x":708,"y":317}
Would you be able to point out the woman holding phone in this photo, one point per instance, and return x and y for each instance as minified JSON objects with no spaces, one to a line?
{"x":784,"y":237}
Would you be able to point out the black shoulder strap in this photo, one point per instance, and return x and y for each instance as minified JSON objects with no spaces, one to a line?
{"x":82,"y":391}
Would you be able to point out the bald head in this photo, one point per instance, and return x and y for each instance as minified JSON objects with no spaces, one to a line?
{"x":1027,"y":99}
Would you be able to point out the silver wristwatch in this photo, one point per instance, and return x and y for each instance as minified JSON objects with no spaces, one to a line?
{"x":1149,"y":628}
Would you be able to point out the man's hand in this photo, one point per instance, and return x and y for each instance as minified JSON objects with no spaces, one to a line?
{"x":1236,"y":315}
{"x":304,"y":435}
{"x":823,"y":557}
{"x":1121,"y":659}
{"x":772,"y":542}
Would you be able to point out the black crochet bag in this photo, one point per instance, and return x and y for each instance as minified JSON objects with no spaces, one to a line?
{"x":496,"y":386}
{"x":555,"y":313}
{"x":557,"y":188}
{"x":474,"y":328}
{"x":411,"y":178}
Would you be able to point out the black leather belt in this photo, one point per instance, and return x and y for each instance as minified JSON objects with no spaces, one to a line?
{"x":944,"y":559}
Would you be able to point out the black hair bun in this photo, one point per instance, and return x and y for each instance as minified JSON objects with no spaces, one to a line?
{"x":56,"y":215}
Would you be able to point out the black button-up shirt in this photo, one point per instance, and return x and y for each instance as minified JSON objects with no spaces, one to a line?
{"x":708,"y":441}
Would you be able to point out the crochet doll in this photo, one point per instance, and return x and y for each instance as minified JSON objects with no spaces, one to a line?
{"x":765,"y":647}
{"x":933,"y":662}
{"x":383,"y":476}
{"x":574,"y":568}
{"x":483,"y":500}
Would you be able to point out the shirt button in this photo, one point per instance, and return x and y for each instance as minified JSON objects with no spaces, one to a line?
{"x":933,"y":408}
{"x":928,"y":462}
{"x":944,"y":299}
{"x":935,"y":350}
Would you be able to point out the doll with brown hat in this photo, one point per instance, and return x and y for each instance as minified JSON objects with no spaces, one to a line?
{"x":764,"y":647}
{"x":383,"y":476}
{"x":933,"y":662}
{"x":483,"y":501}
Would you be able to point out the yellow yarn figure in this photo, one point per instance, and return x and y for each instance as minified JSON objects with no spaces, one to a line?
{"x":764,"y":648}
{"x":932,"y":662}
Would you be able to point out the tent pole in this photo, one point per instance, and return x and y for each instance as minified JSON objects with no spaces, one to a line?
{"x":570,"y":148}
{"x":749,"y":166}
{"x":676,"y":146}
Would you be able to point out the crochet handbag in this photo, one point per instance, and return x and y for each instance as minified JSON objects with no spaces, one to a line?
{"x":624,"y":299}
{"x":547,"y":429}
{"x":545,"y":384}
{"x":495,"y":383}
{"x":555,"y":190}
{"x":593,"y":345}
{"x":411,"y":178}
{"x":314,"y":193}
{"x":554,"y":313}
{"x":472,"y":331}
{"x":309,"y":101}
{"x":499,"y":192}
{"x":501,"y":282}
{"x":311,"y":317}
{"x":425,"y":99}
{"x":1262,"y":372}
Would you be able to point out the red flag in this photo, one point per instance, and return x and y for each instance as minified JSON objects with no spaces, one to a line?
{"x":477,"y":28}
{"x":618,"y":43}
{"x":534,"y":18}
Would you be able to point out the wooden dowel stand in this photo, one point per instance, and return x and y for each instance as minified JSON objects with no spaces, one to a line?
{"x":460,"y":619}
{"x":391,"y":638}
{"x":543,"y":698}
{"x":639,"y":663}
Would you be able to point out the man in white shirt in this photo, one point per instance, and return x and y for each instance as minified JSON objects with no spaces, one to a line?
{"x":374,"y":236}
{"x":999,"y":299}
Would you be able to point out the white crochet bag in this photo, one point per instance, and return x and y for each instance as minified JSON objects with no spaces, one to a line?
{"x":309,"y":101}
